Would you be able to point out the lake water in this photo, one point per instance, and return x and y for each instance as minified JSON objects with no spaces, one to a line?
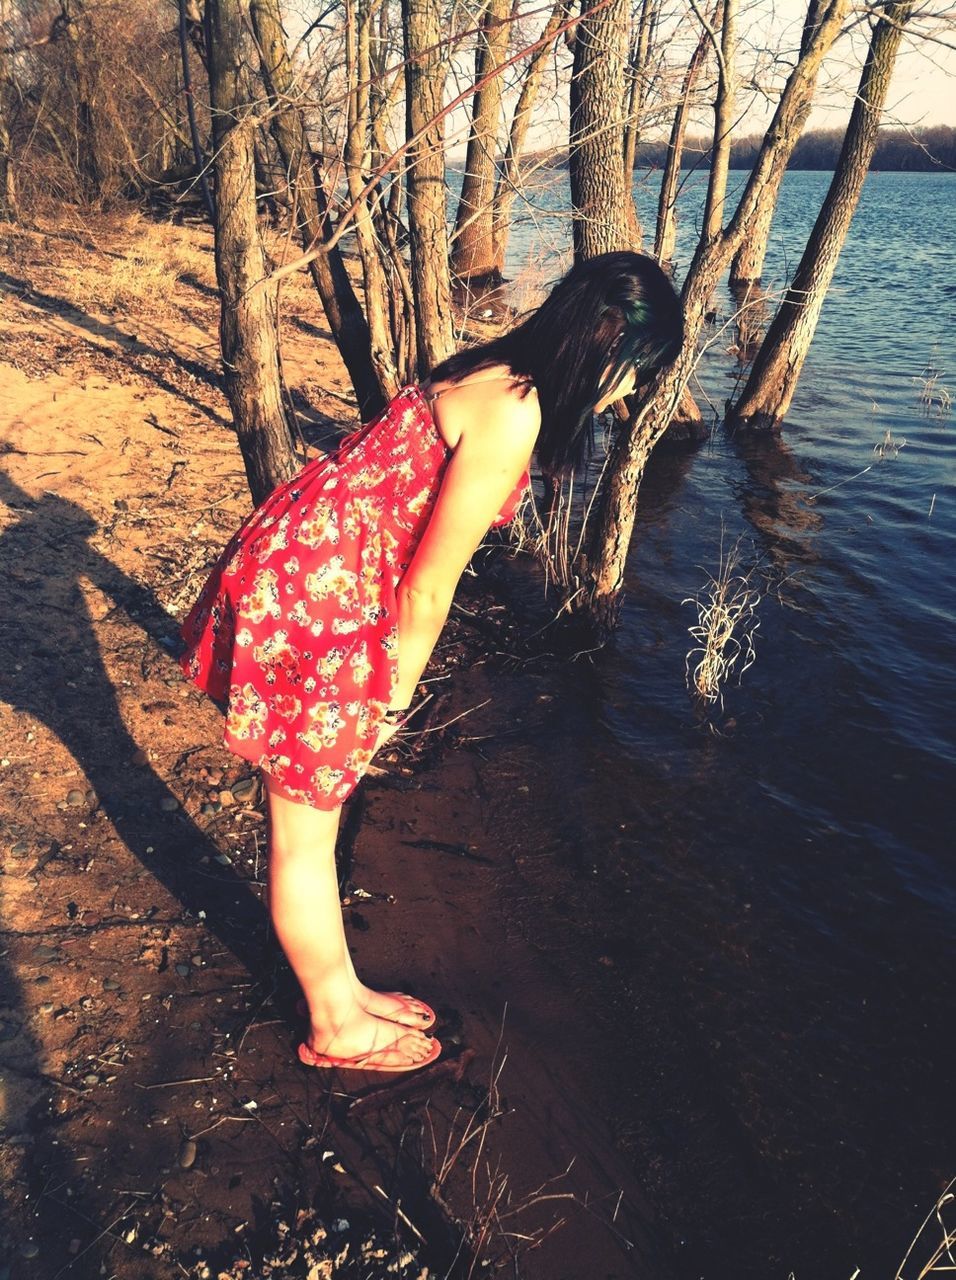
{"x":791,"y":910}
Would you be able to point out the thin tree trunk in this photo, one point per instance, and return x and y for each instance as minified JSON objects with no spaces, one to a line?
{"x":603,"y":572}
{"x":247,"y":326}
{"x":90,"y":168}
{"x":342,"y":309}
{"x":356,"y":156}
{"x":198,"y":153}
{"x":665,"y":238}
{"x":425,"y":65}
{"x":601,"y":219}
{"x":508,"y":179}
{"x":747,"y":266}
{"x":473,"y":253}
{"x":640,"y":80}
{"x":8,"y":191}
{"x":723,"y":122}
{"x":776,"y":370}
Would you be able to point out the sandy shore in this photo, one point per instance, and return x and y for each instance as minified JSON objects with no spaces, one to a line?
{"x":155,"y":1114}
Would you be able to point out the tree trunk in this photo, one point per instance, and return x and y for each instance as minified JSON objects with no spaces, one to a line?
{"x":773,"y":378}
{"x":8,"y":190}
{"x":603,"y":573}
{"x":601,"y":219}
{"x":198,"y":153}
{"x":723,"y":122}
{"x":89,"y":165}
{"x":747,"y":266}
{"x":356,"y":157}
{"x":665,"y":238}
{"x":640,"y":75}
{"x":508,"y":179}
{"x":425,"y":65}
{"x":247,"y":326}
{"x":342,"y":309}
{"x":473,"y":251}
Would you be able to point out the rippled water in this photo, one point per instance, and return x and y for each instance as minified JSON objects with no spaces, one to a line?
{"x":796,"y":866}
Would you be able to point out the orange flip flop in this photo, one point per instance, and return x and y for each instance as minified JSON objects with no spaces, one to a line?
{"x":302,"y":1009}
{"x":363,"y":1061}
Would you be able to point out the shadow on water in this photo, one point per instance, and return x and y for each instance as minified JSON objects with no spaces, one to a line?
{"x":54,"y":672}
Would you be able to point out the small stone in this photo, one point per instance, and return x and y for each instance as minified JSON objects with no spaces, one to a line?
{"x":208,"y":810}
{"x":224,"y":860}
{"x":168,"y":804}
{"x":226,"y":798}
{"x":43,"y":954}
{"x":86,"y":1002}
{"x":110,"y":984}
{"x":74,"y":797}
{"x":46,"y":1008}
{"x":187,"y":1154}
{"x":29,"y":1249}
{"x":244,"y":789}
{"x":183,"y":970}
{"x":20,"y":848}
{"x":92,"y":1078}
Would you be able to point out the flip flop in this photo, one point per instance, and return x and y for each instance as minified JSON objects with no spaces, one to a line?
{"x":302,"y":1009}
{"x":363,"y":1061}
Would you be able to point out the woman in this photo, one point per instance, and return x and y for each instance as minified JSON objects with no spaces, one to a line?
{"x":317,"y":621}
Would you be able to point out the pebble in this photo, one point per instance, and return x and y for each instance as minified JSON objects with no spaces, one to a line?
{"x":46,"y":1008}
{"x":20,"y":848}
{"x":29,"y":1249}
{"x":224,"y":860}
{"x":168,"y":804}
{"x":44,"y":953}
{"x":110,"y":984}
{"x":75,"y":797}
{"x":187,"y":1154}
{"x":244,"y":789}
{"x":208,"y":810}
{"x":226,"y":798}
{"x":92,"y":1078}
{"x":183,"y":970}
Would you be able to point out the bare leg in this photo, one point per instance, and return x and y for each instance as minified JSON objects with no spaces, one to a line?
{"x":307,"y":917}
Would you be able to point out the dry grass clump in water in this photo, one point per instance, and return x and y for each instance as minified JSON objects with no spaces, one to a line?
{"x":726,"y":622}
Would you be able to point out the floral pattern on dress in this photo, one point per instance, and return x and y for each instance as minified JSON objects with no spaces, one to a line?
{"x":295,"y":629}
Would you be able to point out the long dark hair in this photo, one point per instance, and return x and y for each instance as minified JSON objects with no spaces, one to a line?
{"x":616,"y":309}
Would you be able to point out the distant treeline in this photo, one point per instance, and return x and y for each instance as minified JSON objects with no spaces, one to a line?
{"x":923,"y":150}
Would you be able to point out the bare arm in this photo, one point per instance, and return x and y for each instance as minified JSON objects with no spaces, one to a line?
{"x":484,"y":469}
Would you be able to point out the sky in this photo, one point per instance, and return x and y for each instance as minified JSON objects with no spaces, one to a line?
{"x":923,"y":91}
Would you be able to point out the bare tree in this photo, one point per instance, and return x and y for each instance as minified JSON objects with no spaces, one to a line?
{"x":356,"y":154}
{"x":602,"y":571}
{"x":428,"y":233}
{"x":665,"y":236}
{"x":8,"y":190}
{"x":773,"y":378}
{"x":343,"y":311}
{"x":723,"y":120}
{"x":509,"y":177}
{"x":473,"y":249}
{"x":601,"y":199}
{"x":640,"y":75}
{"x":247,"y":326}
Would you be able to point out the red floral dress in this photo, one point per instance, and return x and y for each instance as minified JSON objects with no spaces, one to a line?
{"x":295,"y":630}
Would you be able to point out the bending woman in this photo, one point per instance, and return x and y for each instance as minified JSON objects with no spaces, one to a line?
{"x":316,"y":623}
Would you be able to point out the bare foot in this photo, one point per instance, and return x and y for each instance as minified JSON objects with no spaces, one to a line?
{"x":377,"y":1042}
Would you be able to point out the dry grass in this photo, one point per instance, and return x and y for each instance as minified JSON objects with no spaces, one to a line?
{"x":726,"y":623}
{"x":933,"y":1250}
{"x":934,"y":398}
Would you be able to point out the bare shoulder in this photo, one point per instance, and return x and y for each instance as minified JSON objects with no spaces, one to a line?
{"x":490,"y":407}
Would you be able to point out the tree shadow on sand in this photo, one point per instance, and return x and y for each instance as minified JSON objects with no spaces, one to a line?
{"x":54,"y":673}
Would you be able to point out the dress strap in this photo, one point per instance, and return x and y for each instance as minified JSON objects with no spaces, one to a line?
{"x":430,"y":395}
